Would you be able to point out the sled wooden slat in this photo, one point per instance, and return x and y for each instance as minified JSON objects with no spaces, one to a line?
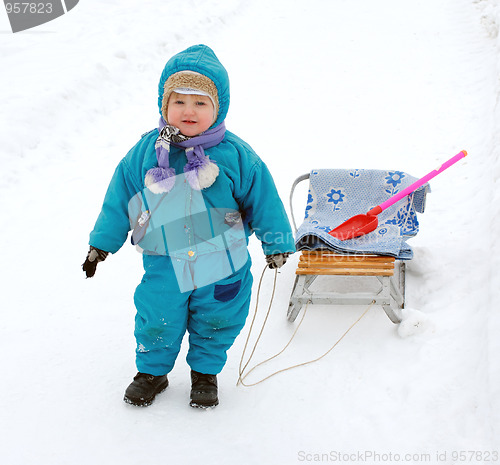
{"x":327,"y":263}
{"x":327,"y":255}
{"x":345,"y":271}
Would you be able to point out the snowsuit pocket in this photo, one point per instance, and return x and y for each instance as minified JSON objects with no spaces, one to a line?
{"x":227,"y":292}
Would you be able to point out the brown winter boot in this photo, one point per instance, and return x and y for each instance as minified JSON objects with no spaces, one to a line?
{"x":203,"y":390}
{"x":144,"y":388}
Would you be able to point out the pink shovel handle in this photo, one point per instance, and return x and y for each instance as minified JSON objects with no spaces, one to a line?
{"x":413,"y":187}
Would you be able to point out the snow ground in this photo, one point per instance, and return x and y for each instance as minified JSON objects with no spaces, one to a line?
{"x":388,"y":84}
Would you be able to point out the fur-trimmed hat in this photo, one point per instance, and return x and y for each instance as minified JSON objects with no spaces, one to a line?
{"x":189,"y":82}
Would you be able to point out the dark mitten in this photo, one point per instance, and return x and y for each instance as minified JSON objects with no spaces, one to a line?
{"x":93,"y":258}
{"x":277,"y":260}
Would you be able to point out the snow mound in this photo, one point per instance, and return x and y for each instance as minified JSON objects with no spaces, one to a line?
{"x":415,"y":323}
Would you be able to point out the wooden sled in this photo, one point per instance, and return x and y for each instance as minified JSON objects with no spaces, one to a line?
{"x":352,"y":280}
{"x":347,"y":279}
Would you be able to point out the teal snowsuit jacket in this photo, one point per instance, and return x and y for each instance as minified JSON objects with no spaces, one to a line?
{"x":215,"y":313}
{"x":244,"y":182}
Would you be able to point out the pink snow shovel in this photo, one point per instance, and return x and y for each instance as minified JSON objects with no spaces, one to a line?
{"x":360,"y":225}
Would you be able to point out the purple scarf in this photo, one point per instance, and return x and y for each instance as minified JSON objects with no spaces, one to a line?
{"x":200,"y":171}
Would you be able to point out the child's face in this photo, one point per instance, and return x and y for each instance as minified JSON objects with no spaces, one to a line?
{"x":192,"y":114}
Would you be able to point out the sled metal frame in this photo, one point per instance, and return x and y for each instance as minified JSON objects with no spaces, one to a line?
{"x":385,"y":274}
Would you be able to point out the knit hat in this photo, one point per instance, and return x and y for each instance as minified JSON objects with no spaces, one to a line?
{"x":189,"y":82}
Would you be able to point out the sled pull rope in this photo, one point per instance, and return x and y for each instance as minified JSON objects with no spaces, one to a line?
{"x":242,"y":376}
{"x":241,"y":370}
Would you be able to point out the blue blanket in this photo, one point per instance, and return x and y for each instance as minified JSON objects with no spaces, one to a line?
{"x":337,"y":195}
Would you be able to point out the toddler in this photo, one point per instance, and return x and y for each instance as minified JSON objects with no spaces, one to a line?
{"x":193,"y":193}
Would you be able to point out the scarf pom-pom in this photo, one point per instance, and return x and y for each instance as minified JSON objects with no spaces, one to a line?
{"x":160,"y":180}
{"x":207,"y":174}
{"x":201,"y":172}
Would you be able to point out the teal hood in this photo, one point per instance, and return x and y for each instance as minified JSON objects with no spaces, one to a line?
{"x":200,"y":59}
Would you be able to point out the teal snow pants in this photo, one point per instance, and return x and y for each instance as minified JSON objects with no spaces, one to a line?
{"x":213,"y":315}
